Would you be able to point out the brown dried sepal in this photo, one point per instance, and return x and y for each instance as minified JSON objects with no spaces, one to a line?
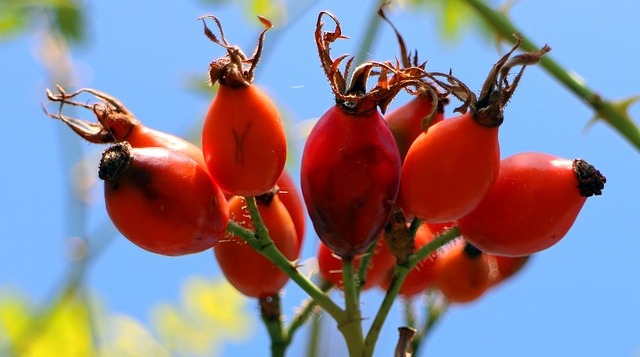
{"x":427,"y":89}
{"x":399,"y":239}
{"x":234,"y":69}
{"x":115,"y":121}
{"x":353,"y":96}
{"x":590,"y":180}
{"x":497,"y":90}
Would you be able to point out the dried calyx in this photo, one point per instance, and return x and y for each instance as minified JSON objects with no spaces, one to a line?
{"x":352,"y":94}
{"x":497,"y":89}
{"x":399,"y":239}
{"x":234,"y":69}
{"x":115,"y":121}
{"x":115,"y":161}
{"x":590,"y":180}
{"x":427,"y":89}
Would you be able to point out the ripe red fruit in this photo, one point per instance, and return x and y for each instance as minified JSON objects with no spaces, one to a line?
{"x":350,"y":165}
{"x":162,"y":200}
{"x":243,"y":138}
{"x":349,"y":176}
{"x":410,"y":120}
{"x":503,"y":268}
{"x":245,"y":268}
{"x":461,"y":272}
{"x":449,"y":168}
{"x":330,"y":265}
{"x":533,"y":204}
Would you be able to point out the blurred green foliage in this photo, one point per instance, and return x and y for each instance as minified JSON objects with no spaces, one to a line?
{"x":64,"y":17}
{"x":79,"y":325}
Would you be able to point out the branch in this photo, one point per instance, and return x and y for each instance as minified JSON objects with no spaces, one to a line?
{"x":607,"y":110}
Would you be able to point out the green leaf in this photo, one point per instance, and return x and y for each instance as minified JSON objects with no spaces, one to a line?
{"x":274,"y":10}
{"x":126,"y":337}
{"x":65,"y":329}
{"x":14,"y":18}
{"x":210,"y":312}
{"x":69,"y":21}
{"x":454,"y":16}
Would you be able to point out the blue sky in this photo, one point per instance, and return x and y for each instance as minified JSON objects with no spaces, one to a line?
{"x":579,"y":298}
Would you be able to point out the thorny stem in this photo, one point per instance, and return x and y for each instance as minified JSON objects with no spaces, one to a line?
{"x":607,"y":110}
{"x":370,"y":33}
{"x":363,"y":267}
{"x":351,"y":328}
{"x":309,"y":308}
{"x":271,"y":314}
{"x":399,"y":275}
{"x":436,"y":307}
{"x":274,"y":255}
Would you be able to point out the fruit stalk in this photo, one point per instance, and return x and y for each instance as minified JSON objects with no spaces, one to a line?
{"x":274,"y":255}
{"x":399,"y":274}
{"x":351,"y":328}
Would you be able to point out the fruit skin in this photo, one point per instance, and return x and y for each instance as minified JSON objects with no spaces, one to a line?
{"x":381,"y":262}
{"x":141,"y":136}
{"x":503,"y":268}
{"x":243,"y":141}
{"x":533,"y":204}
{"x":422,"y":276}
{"x":163,"y":201}
{"x":461,"y":272}
{"x":405,"y":121}
{"x":247,"y":269}
{"x":449,"y":169}
{"x":350,"y":175}
{"x":291,"y":197}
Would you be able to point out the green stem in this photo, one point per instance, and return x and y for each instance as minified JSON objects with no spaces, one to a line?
{"x":307,"y":310}
{"x":605,"y":109}
{"x":351,"y":327}
{"x":409,"y":312}
{"x":399,"y":275}
{"x":414,"y":226}
{"x":363,"y":266}
{"x":272,"y":253}
{"x":370,"y":34}
{"x":435,"y":310}
{"x":313,"y":347}
{"x":271,"y":314}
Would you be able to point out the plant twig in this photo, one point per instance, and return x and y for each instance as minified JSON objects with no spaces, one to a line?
{"x":615,"y":116}
{"x":399,"y":275}
{"x":351,"y":328}
{"x":436,"y":307}
{"x":271,"y":314}
{"x":308,"y":308}
{"x":274,"y":255}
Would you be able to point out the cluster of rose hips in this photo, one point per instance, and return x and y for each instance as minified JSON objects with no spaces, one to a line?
{"x":378,"y":188}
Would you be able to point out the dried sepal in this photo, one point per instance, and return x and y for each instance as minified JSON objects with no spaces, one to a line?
{"x":114,"y":120}
{"x":454,"y":86}
{"x":234,"y":69}
{"x":351,"y":90}
{"x":497,"y":90}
